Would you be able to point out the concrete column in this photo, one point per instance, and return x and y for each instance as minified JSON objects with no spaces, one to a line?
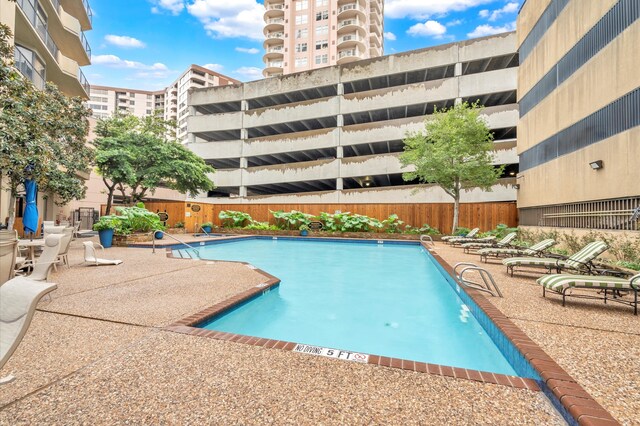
{"x":243,"y":163}
{"x":458,"y":101}
{"x":457,"y":70}
{"x":244,"y":133}
{"x":339,"y":152}
{"x":243,"y":191}
{"x":340,"y":89}
{"x":340,"y":120}
{"x":244,"y":105}
{"x":339,"y":184}
{"x":191,"y":138}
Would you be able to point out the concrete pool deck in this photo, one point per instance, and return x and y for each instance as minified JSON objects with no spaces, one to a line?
{"x":97,"y":353}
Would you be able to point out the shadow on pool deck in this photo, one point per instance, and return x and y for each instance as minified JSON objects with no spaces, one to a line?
{"x":96,"y":354}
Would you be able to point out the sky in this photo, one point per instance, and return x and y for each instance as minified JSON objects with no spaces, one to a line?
{"x":147,"y":44}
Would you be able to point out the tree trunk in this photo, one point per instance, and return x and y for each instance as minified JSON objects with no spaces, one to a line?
{"x":456,"y":212}
{"x":12,"y":211}
{"x":109,"y":196}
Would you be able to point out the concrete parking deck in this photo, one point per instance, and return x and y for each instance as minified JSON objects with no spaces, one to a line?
{"x":97,"y":353}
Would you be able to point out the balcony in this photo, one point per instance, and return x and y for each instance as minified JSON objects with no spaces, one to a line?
{"x":273,"y":25}
{"x":349,"y":25}
{"x":273,"y":39}
{"x":27,"y":69}
{"x":275,"y":52}
{"x":351,"y":10}
{"x":29,"y":9}
{"x":273,"y":10}
{"x":349,"y":55}
{"x":350,"y":41}
{"x":272,"y":67}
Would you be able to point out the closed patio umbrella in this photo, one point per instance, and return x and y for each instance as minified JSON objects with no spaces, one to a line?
{"x":30,"y":217}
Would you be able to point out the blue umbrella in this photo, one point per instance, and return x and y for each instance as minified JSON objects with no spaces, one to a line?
{"x":30,"y":218}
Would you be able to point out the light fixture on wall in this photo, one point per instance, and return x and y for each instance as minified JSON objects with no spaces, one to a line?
{"x":367,"y":182}
{"x":596,"y":165}
{"x":516,"y":186}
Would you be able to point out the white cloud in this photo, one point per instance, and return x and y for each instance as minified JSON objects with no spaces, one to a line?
{"x":511,"y":7}
{"x":454,"y":23}
{"x":486,"y":30}
{"x":116,"y":62}
{"x":213,"y":67}
{"x":248,"y":73}
{"x":172,"y":6}
{"x":424,"y":9}
{"x":249,"y":50}
{"x":228,"y":19}
{"x":389,"y":36}
{"x":428,"y":29}
{"x":124,"y":41}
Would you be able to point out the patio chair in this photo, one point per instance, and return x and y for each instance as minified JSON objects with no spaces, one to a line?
{"x":537,"y":249}
{"x":8,"y":256}
{"x":580,"y":262}
{"x":606,"y":285}
{"x":91,"y":258}
{"x":18,"y":299}
{"x":460,"y":241}
{"x":65,"y":243}
{"x":505,"y":242}
{"x":47,"y":259}
{"x":470,"y":234}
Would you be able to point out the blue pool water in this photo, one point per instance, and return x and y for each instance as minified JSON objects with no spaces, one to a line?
{"x":384,"y":299}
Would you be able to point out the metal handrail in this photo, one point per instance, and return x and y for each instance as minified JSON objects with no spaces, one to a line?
{"x":490,"y":285}
{"x":175,"y":238}
{"x":429,"y":241}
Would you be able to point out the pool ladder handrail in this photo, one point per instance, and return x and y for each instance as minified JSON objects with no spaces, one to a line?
{"x":429,"y":240}
{"x":175,"y":238}
{"x":201,"y":229}
{"x":488,"y":284}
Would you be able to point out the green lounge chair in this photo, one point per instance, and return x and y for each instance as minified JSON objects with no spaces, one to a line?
{"x":537,"y":249}
{"x":579,"y":262}
{"x":479,"y":245}
{"x":459,"y":241}
{"x":470,"y":234}
{"x":564,"y":283}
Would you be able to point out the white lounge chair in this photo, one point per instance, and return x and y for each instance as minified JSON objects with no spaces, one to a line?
{"x":47,"y":259}
{"x":8,"y":256}
{"x":65,"y":242}
{"x":91,"y":258}
{"x":18,"y":299}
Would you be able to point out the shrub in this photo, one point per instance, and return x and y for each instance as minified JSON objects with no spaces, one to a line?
{"x":499,"y":231}
{"x":105,"y":222}
{"x":347,"y":222}
{"x":423,"y":230}
{"x":233,"y":219}
{"x":292,"y":219}
{"x":392,"y":224}
{"x":261,"y":226}
{"x":461,"y":231}
{"x":136,"y":219}
{"x":179,"y":225}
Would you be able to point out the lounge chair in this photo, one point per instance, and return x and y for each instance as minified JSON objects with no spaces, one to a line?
{"x":459,"y":241}
{"x":564,"y":283}
{"x":537,"y":249}
{"x":65,"y":242}
{"x":500,"y":244}
{"x":580,"y":262}
{"x":18,"y":299}
{"x":47,"y":259}
{"x":470,"y":234}
{"x":8,"y":256}
{"x":90,"y":255}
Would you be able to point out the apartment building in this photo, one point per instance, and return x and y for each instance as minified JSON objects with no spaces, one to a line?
{"x":303,"y":35}
{"x":49,"y":41}
{"x":170,"y":103}
{"x":579,"y":127}
{"x":104,"y":101}
{"x":333,"y":135}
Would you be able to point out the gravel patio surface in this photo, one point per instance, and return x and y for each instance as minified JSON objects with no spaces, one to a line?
{"x":97,"y":354}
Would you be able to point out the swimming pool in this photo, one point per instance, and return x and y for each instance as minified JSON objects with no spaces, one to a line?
{"x":387,"y":299}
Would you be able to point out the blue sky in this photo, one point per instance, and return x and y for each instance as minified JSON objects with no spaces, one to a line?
{"x":146,"y":44}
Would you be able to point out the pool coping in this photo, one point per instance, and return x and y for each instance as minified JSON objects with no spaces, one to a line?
{"x":573,"y":402}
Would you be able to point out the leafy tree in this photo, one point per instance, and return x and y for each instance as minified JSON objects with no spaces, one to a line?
{"x":134,"y":157}
{"x":455,"y":152}
{"x":42,"y":131}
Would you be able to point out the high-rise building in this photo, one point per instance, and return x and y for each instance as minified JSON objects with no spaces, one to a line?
{"x":334,"y":135}
{"x":579,"y":92}
{"x":49,"y":41}
{"x":170,"y":103}
{"x":302,"y":35}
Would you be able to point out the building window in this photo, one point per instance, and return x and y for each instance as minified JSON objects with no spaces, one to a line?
{"x":301,"y":19}
{"x":301,"y":62}
{"x":322,"y":59}
{"x":132,"y":102}
{"x":149,"y":104}
{"x":321,"y":16}
{"x":30,"y":65}
{"x":301,"y":47}
{"x":302,"y":4}
{"x":322,"y":29}
{"x":302,"y":33}
{"x":320,"y":3}
{"x":322,"y":44}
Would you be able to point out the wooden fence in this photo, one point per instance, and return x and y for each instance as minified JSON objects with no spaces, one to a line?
{"x":438,"y":215}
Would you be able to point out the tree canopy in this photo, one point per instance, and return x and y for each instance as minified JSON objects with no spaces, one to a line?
{"x":134,"y":157}
{"x":42,"y":131}
{"x":454,"y":152}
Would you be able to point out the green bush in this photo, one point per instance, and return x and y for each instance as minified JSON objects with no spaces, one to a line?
{"x":179,"y":225}
{"x":261,"y":226}
{"x":423,"y":230}
{"x":136,"y":219}
{"x":234,"y":219}
{"x":392,"y":224}
{"x":347,"y":222}
{"x":499,"y":231}
{"x":461,"y":231}
{"x":105,"y":222}
{"x":292,"y":219}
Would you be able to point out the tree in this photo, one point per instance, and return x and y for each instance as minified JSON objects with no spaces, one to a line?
{"x":134,"y":157}
{"x":42,"y":131}
{"x":455,"y":152}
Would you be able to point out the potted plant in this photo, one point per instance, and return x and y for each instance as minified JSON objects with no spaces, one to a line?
{"x":304,"y":230}
{"x":158,"y":234}
{"x":105,"y":227}
{"x":206,"y":227}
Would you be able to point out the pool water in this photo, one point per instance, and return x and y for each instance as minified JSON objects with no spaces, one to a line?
{"x":384,"y":299}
